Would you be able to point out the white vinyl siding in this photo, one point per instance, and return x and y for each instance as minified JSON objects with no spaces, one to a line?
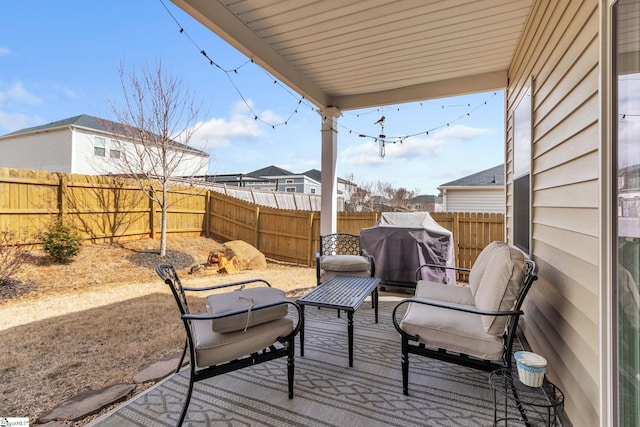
{"x":85,"y":160}
{"x":558,"y":55}
{"x":47,"y":151}
{"x":491,"y":200}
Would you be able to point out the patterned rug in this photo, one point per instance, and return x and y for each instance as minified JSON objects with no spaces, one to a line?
{"x":327,"y":392}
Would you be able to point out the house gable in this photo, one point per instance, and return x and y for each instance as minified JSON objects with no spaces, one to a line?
{"x":479,"y":192}
{"x":69,"y":145}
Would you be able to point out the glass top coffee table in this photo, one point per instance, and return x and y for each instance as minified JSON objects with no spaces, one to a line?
{"x":342,"y":293}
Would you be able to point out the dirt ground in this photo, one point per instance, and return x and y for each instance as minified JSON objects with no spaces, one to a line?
{"x":97,"y":320}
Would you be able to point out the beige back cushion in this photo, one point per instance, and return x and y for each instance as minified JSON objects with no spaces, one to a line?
{"x":244,"y":299}
{"x":500,"y":285}
{"x":480,"y":265}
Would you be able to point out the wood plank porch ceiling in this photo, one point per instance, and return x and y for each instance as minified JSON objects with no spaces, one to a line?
{"x":356,"y":54}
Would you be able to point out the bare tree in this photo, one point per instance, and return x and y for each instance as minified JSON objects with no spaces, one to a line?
{"x":383,"y":193}
{"x":385,"y":189}
{"x":157,"y":121}
{"x":401,"y":197}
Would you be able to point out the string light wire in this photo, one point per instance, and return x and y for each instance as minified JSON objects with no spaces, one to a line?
{"x":301,"y":100}
{"x":229,"y":72}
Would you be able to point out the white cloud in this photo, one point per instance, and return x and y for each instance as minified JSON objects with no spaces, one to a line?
{"x":17,"y":93}
{"x":4,"y":51}
{"x":414,"y":148}
{"x":248,"y":109}
{"x":458,"y":133}
{"x":12,"y":121}
{"x":366,"y":153}
{"x":220,"y":132}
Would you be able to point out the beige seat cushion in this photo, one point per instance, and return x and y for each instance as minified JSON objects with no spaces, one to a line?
{"x":500,"y":285}
{"x":480,"y":265}
{"x":446,"y":293}
{"x":213,"y":348}
{"x":453,"y":330}
{"x":243,"y":299}
{"x":344,"y":263}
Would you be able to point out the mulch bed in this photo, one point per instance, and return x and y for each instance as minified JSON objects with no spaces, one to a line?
{"x":12,"y":288}
{"x":150,"y":259}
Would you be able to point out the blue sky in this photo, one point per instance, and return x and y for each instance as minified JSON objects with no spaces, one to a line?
{"x":59,"y":59}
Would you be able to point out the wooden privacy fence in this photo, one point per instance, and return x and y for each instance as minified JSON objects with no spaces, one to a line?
{"x":292,"y":236}
{"x":108,"y":209}
{"x":99,"y":208}
{"x":284,"y":235}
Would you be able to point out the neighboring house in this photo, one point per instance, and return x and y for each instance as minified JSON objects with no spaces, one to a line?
{"x":345,"y":188}
{"x":83,"y":145}
{"x":425,"y":203}
{"x":233,"y":179}
{"x":270,"y":178}
{"x":479,"y":192}
{"x":279,"y":179}
{"x":274,"y":178}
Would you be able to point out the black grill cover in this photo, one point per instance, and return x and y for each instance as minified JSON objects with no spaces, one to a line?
{"x":401,"y":242}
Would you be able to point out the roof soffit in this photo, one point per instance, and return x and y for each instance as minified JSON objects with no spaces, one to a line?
{"x":357,"y":54}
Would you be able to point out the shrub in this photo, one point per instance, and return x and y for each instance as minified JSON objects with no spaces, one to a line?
{"x":61,"y":242}
{"x":12,"y":256}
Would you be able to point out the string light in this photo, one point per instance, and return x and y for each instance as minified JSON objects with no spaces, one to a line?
{"x":301,"y":100}
{"x":421,"y":104}
{"x":229,"y":72}
{"x":400,"y":139}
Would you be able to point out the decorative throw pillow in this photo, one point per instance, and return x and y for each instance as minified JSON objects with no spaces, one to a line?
{"x":245,"y":299}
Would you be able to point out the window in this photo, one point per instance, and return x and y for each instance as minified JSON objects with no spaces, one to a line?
{"x":288,"y":181}
{"x":99,"y":146}
{"x":312,"y":191}
{"x":290,"y":189}
{"x":522,"y":172}
{"x":626,"y":207}
{"x":114,"y":149}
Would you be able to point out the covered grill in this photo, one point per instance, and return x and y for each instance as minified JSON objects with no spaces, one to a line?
{"x":401,"y":242}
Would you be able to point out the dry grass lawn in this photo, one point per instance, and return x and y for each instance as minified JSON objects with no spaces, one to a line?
{"x":96,"y":321}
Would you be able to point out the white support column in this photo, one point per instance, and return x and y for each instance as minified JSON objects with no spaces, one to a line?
{"x":329,"y":179}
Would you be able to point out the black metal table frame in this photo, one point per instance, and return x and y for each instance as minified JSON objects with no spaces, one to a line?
{"x":342,"y":293}
{"x":547,"y":397}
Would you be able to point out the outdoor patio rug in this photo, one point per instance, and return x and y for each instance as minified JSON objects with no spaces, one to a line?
{"x":327,"y":392}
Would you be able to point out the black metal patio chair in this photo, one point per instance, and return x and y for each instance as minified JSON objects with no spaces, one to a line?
{"x":342,"y":254}
{"x":473,"y":325}
{"x":243,"y":327}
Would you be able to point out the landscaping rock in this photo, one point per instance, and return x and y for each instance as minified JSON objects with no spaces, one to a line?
{"x":159,"y":369}
{"x":248,"y":256}
{"x":87,"y":403}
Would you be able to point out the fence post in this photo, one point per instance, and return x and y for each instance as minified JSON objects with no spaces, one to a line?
{"x":257,"y":227}
{"x":62,"y":198}
{"x":310,"y":237}
{"x":207,"y":216}
{"x":456,"y":238}
{"x":152,"y":219}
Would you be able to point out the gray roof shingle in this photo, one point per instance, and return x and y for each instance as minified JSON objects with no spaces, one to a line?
{"x":270,"y":171}
{"x":89,"y":122}
{"x":488,"y":177}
